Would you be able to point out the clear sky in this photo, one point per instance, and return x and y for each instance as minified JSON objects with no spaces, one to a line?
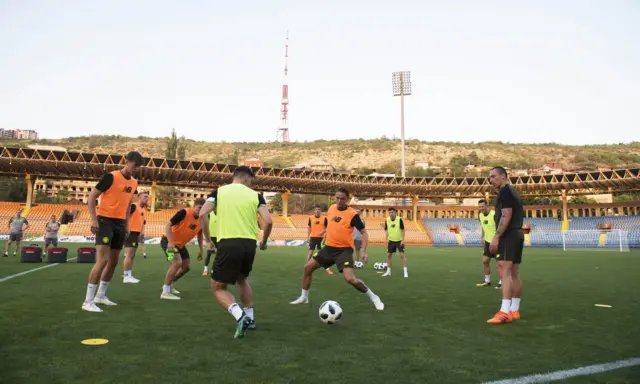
{"x":518,"y":71}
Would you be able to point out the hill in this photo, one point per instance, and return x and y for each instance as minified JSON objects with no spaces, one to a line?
{"x":365,"y":156}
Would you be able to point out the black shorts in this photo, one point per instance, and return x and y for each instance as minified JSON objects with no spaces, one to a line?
{"x":132,"y":240}
{"x":510,"y":246}
{"x":315,"y":243}
{"x":487,"y":252}
{"x":182,"y":251}
{"x":341,"y":257}
{"x":214,"y":240}
{"x":395,"y":245}
{"x":15,"y":237}
{"x":50,"y":241}
{"x":234,"y":260}
{"x":111,"y":232}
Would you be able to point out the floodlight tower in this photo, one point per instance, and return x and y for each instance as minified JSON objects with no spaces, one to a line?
{"x":283,"y":131}
{"x":402,"y":87}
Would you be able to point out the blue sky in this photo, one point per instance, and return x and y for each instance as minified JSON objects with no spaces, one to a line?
{"x":517,"y":71}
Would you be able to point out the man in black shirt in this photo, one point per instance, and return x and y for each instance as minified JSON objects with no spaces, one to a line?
{"x":507,"y":243}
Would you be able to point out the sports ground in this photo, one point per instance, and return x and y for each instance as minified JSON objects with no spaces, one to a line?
{"x":433,"y":329}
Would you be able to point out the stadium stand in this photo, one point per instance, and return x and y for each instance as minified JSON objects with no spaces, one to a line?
{"x":545,"y":232}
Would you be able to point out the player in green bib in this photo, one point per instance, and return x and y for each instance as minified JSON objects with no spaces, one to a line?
{"x":394,"y":231}
{"x":486,"y":217}
{"x":213,"y":232}
{"x":237,"y":208}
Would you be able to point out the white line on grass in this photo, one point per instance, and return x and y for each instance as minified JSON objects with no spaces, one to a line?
{"x":31,"y":270}
{"x":561,"y":375}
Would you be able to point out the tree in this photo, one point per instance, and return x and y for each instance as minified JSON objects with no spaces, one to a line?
{"x":181,"y":152}
{"x":166,"y":196}
{"x":626,"y":198}
{"x":581,"y":200}
{"x":62,"y":195}
{"x":276,"y":203}
{"x":13,"y":189}
{"x":172,"y":146}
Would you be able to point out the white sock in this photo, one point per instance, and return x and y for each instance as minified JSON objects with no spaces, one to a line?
{"x":305,"y":293}
{"x":236,"y":311}
{"x":127,"y":273}
{"x":515,"y":304}
{"x":372,"y":296}
{"x":206,"y":268}
{"x":102,"y":289}
{"x":405,"y":271}
{"x":487,"y":278}
{"x":91,"y":293}
{"x":506,"y":306}
{"x":388,"y":270}
{"x":166,"y":288}
{"x":249,"y":312}
{"x":144,"y":254}
{"x":500,"y":282}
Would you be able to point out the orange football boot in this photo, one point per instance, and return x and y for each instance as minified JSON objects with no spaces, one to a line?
{"x":515,"y":315}
{"x":500,"y":318}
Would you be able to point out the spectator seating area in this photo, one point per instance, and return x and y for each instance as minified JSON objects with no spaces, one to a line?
{"x":545,"y":232}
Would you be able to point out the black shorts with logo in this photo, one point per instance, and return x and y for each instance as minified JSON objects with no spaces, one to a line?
{"x":50,"y":241}
{"x":111,"y":232}
{"x":315,"y":243}
{"x":395,"y":245}
{"x":234,"y":260}
{"x":132,"y":241}
{"x":510,"y":246}
{"x":341,"y":257}
{"x":182,"y":251}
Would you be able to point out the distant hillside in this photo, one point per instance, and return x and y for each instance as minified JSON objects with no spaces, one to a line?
{"x":380,"y":155}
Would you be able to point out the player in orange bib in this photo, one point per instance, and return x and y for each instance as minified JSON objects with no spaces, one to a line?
{"x":339,"y":249}
{"x":110,"y":223}
{"x":136,"y":229}
{"x":180,"y":230}
{"x":316,"y":233}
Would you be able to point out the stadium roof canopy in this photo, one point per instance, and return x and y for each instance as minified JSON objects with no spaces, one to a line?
{"x":195,"y":174}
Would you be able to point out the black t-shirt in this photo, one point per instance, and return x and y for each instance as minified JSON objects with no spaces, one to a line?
{"x":401,"y":224}
{"x":509,"y":198}
{"x":357,"y":223}
{"x":178,"y":217}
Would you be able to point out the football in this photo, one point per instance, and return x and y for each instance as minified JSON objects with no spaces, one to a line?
{"x":330,"y":312}
{"x":376,"y":266}
{"x":358,"y":264}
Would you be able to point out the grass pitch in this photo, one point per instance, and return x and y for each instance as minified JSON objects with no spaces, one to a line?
{"x":432,"y":330}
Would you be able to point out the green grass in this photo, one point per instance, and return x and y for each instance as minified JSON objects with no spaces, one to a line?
{"x":432,"y":330}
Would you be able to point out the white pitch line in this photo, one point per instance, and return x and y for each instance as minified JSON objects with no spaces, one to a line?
{"x":561,"y":375}
{"x":31,"y":270}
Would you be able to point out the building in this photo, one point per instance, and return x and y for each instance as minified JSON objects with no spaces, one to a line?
{"x":26,"y":134}
{"x":47,"y":147}
{"x":421,"y":164}
{"x":321,"y":166}
{"x":549,"y":169}
{"x":6,"y":133}
{"x":20,"y":134}
{"x":382,"y":174}
{"x":253,"y":162}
